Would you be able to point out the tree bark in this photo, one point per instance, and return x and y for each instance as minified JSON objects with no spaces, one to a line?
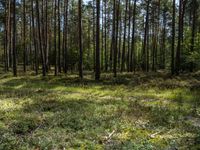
{"x":39,"y":38}
{"x":80,"y":39}
{"x":14,"y":40}
{"x":124,"y":39}
{"x":132,"y":63}
{"x":97,"y":71}
{"x":24,"y":33}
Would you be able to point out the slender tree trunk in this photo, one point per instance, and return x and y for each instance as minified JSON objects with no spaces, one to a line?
{"x":97,"y":71}
{"x":164,"y":40}
{"x":6,"y":37}
{"x":105,"y":36}
{"x":59,"y":39}
{"x":34,"y":39}
{"x":46,"y":37}
{"x":154,"y":44}
{"x":194,"y":4}
{"x":9,"y":58}
{"x":173,"y":38}
{"x":132,"y":63}
{"x":31,"y":62}
{"x":102,"y":37}
{"x":94,"y":43}
{"x":124,"y":39}
{"x":10,"y":35}
{"x":55,"y":38}
{"x":178,"y":52}
{"x":14,"y":40}
{"x":39,"y":38}
{"x":24,"y":33}
{"x":65,"y":37}
{"x":89,"y":42}
{"x":116,"y":38}
{"x":42,"y":28}
{"x":5,"y":42}
{"x":120,"y":40}
{"x":80,"y":39}
{"x":129,"y":37}
{"x":114,"y":48}
{"x":182,"y":4}
{"x":157,"y":33}
{"x":145,"y":47}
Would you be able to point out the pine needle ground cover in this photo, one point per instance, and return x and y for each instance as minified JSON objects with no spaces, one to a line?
{"x":129,"y":112}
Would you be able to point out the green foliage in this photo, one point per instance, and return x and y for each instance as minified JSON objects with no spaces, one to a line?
{"x":188,"y":56}
{"x":194,"y":57}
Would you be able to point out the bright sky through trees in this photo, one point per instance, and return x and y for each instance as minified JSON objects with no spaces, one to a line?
{"x":85,"y":1}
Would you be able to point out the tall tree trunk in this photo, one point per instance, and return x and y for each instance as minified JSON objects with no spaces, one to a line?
{"x":129,"y":37}
{"x":194,"y":5}
{"x":31,"y":62}
{"x":182,"y":4}
{"x":145,"y":47}
{"x":24,"y":33}
{"x":65,"y":36}
{"x":132,"y":63}
{"x":173,"y":38}
{"x":120,"y":40}
{"x":34,"y":38}
{"x":5,"y":42}
{"x":157,"y":31}
{"x":43,"y":38}
{"x":46,"y":36}
{"x":114,"y":48}
{"x":94,"y":43}
{"x":10,"y":51}
{"x":97,"y":71}
{"x":14,"y":40}
{"x":55,"y":38}
{"x":116,"y":38}
{"x":124,"y":39}
{"x":39,"y":38}
{"x":6,"y":36}
{"x":59,"y":39}
{"x":80,"y":39}
{"x":105,"y":36}
{"x":164,"y":40}
{"x":102,"y":36}
{"x":178,"y":52}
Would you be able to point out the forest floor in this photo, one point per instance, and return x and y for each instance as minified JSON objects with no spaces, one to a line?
{"x":140,"y":111}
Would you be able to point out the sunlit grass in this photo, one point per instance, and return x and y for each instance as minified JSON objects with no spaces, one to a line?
{"x":129,"y":112}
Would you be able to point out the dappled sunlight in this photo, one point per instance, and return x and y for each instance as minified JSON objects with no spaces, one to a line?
{"x":11,"y":104}
{"x":65,"y":113}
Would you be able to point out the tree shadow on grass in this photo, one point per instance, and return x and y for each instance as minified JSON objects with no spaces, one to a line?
{"x":121,"y":79}
{"x":47,"y":111}
{"x":159,"y":80}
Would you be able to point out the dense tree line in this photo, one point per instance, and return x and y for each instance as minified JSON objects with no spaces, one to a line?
{"x":100,"y":35}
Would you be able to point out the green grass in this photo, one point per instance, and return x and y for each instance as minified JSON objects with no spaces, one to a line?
{"x":130,"y":112}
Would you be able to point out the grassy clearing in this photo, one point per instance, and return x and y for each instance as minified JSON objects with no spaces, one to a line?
{"x":130,"y":112}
